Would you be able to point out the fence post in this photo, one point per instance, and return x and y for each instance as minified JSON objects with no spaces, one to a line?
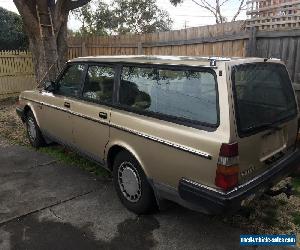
{"x":83,"y":49}
{"x":251,"y":48}
{"x":140,"y":48}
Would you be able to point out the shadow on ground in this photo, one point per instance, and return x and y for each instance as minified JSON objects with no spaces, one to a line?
{"x":30,"y":233}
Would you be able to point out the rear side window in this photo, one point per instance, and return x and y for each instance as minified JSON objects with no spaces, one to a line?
{"x":181,"y":94}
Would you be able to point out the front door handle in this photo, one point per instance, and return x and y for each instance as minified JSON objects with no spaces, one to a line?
{"x":67,"y":105}
{"x":103,"y":115}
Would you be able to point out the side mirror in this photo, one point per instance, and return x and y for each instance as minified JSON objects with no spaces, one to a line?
{"x":50,"y":86}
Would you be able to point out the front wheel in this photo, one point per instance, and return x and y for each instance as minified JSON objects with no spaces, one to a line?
{"x":33,"y":132}
{"x":132,"y":185}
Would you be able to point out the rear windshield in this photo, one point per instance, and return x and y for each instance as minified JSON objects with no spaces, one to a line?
{"x":263,"y":96}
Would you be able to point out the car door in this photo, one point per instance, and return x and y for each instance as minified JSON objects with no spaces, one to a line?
{"x":56,"y":118}
{"x":91,"y":124}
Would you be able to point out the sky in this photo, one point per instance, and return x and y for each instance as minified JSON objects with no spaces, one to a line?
{"x":184,"y":15}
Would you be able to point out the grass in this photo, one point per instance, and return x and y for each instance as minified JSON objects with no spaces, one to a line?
{"x":270,"y":216}
{"x":282,"y":202}
{"x":296,"y":217}
{"x":69,"y":157}
{"x":296,"y":185}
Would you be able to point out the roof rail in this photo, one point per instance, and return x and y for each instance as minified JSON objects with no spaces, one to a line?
{"x":213,"y":60}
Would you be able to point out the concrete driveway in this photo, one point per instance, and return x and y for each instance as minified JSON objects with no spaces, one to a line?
{"x":47,"y":205}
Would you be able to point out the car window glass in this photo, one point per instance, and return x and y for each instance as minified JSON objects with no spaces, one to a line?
{"x":99,"y":84}
{"x":187,"y":94}
{"x":263,"y":95}
{"x":136,"y":86}
{"x":70,"y":82}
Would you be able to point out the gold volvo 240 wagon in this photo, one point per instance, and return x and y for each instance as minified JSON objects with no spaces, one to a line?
{"x":207,"y":133}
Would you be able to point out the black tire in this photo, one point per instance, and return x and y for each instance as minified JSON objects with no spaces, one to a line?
{"x":37,"y":139}
{"x":145,"y":201}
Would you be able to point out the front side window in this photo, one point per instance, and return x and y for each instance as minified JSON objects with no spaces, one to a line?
{"x":263,"y":95}
{"x":71,"y":81}
{"x":99,"y":84}
{"x":182,"y":94}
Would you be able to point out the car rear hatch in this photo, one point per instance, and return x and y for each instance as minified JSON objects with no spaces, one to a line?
{"x":266,"y":116}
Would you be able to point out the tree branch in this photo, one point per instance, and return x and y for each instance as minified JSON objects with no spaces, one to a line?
{"x":238,"y":11}
{"x":71,"y":5}
{"x":225,"y":1}
{"x":205,"y":5}
{"x":59,"y":15}
{"x":218,"y":11}
{"x":28,"y":17}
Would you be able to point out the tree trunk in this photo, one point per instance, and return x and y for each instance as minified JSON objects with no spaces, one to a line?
{"x":49,"y":54}
{"x":45,"y":55}
{"x":62,"y":44}
{"x":48,"y":40}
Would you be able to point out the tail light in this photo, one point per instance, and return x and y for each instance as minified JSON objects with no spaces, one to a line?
{"x":227,"y":172}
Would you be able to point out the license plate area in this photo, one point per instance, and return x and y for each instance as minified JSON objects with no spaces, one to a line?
{"x":272,"y":143}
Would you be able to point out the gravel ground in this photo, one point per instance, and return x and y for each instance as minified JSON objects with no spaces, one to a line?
{"x":11,"y":127}
{"x":265,"y":215}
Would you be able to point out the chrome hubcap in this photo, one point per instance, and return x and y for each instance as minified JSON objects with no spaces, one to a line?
{"x":31,"y":129}
{"x":129,"y":182}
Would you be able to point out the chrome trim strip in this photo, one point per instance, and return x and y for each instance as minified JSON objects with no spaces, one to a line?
{"x":242,"y":185}
{"x":149,"y":137}
{"x":168,"y":143}
{"x":204,"y":186}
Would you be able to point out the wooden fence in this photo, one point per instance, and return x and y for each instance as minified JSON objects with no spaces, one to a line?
{"x":228,"y":40}
{"x":279,"y":44}
{"x":16,"y":72}
{"x":221,"y":40}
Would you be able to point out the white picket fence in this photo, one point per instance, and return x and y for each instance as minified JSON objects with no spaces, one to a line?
{"x":16,"y":72}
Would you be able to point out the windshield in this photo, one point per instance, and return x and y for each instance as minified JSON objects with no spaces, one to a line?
{"x":263,"y":96}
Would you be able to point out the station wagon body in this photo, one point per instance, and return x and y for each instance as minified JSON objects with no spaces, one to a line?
{"x":207,"y":133}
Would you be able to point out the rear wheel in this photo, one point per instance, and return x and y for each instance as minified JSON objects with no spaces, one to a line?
{"x":33,"y":132}
{"x":132,"y":185}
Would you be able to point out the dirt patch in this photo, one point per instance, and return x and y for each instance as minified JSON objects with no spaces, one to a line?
{"x":11,"y":126}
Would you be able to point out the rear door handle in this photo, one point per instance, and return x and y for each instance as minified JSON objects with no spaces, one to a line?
{"x":103,"y":115}
{"x":67,"y":105}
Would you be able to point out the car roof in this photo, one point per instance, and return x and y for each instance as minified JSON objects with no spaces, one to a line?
{"x":158,"y":59}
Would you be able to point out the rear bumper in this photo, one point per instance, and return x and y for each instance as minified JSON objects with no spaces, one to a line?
{"x":20,"y":112}
{"x":216,"y":202}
